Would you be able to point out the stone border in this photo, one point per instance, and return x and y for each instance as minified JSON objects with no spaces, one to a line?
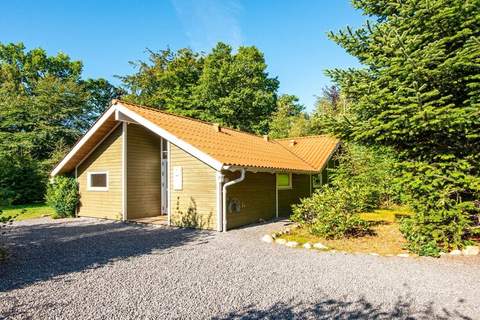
{"x":273,"y":238}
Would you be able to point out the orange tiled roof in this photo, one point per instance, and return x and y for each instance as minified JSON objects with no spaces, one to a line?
{"x":315,"y":150}
{"x":236,"y":148}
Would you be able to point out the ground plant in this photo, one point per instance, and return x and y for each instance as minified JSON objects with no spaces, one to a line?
{"x":384,"y":237}
{"x":362,"y":181}
{"x":62,"y":196}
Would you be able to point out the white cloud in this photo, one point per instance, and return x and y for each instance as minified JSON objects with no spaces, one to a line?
{"x":208,"y":21}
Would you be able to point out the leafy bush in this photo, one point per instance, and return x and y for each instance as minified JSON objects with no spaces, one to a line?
{"x":372,"y":171}
{"x":62,"y":196}
{"x":332,"y":213}
{"x":363,"y":180}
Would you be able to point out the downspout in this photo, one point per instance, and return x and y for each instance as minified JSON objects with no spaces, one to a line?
{"x":224,"y":195}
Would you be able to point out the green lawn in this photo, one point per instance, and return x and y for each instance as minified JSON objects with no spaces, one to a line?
{"x":28,"y":211}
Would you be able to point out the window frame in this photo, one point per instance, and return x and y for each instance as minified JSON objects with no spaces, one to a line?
{"x":289,"y":180}
{"x":89,"y":181}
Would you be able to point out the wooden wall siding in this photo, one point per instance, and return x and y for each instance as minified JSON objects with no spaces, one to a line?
{"x":300,"y":189}
{"x":107,"y":157}
{"x":194,"y":205}
{"x":109,"y":124}
{"x":256,"y":196}
{"x":143,"y":173}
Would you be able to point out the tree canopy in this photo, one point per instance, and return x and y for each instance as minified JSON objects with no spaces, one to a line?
{"x":419,"y":93}
{"x":232,"y":89}
{"x":288,"y":120}
{"x":44,"y":107}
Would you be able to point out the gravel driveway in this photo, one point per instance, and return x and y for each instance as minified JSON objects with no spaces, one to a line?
{"x":91,"y":269}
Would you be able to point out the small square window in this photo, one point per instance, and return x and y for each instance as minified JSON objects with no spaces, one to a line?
{"x":98,"y":181}
{"x":284,"y":180}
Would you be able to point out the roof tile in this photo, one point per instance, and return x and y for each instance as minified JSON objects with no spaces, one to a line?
{"x":236,"y":148}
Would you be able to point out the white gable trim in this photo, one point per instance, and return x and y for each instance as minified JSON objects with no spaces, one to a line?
{"x":82,"y":141}
{"x":215,"y":164}
{"x":119,"y":109}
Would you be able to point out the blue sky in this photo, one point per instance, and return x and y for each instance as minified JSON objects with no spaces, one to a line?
{"x":106,"y":35}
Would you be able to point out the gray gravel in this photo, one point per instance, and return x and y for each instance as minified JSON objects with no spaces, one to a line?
{"x":90,"y":269}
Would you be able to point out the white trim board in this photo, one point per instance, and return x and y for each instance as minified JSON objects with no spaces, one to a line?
{"x":98,"y":144}
{"x":97,"y":189}
{"x":118,"y":109}
{"x":215,"y":164}
{"x":82,"y":141}
{"x":169,"y":186}
{"x":219,"y":177}
{"x":124,"y":171}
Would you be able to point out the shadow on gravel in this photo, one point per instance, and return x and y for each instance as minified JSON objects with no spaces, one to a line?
{"x":43,"y":251}
{"x":403,"y":308}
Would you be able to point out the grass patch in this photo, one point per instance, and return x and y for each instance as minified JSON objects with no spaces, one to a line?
{"x":28,"y":211}
{"x":393,"y":214}
{"x":386,"y":238}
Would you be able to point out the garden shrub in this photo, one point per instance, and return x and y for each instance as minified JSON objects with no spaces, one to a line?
{"x":62,"y":195}
{"x":363,"y":180}
{"x":332,"y":213}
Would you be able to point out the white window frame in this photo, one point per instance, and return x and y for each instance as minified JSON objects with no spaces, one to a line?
{"x":289,"y":181}
{"x":89,"y":181}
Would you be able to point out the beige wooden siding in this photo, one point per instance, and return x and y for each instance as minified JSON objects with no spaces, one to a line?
{"x":255,"y":196}
{"x":300,"y":189}
{"x":143,"y":173}
{"x":107,"y":157}
{"x":195,"y":204}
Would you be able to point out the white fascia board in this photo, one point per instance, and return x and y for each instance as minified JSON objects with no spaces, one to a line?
{"x":82,"y":141}
{"x":98,"y":144}
{"x":215,"y":164}
{"x":119,"y":116}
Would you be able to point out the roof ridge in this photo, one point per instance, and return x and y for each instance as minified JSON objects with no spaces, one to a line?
{"x":295,"y":155}
{"x":182,"y":116}
{"x":303,"y":137}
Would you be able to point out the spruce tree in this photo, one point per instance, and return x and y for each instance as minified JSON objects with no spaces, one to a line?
{"x":419,"y":93}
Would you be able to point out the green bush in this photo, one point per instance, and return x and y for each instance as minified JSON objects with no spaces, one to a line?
{"x":62,"y":195}
{"x":332,"y":213}
{"x":364,"y":179}
{"x":372,"y":171}
{"x":446,"y":209}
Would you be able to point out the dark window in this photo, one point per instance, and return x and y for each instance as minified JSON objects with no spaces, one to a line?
{"x":98,"y":180}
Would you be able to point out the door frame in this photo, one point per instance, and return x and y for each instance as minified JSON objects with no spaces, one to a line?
{"x":164,"y":183}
